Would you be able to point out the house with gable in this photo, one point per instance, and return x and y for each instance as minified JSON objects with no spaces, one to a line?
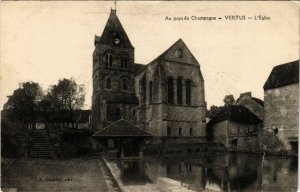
{"x":281,"y":104}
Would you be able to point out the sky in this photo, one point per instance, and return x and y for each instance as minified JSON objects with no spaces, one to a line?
{"x":47,"y":41}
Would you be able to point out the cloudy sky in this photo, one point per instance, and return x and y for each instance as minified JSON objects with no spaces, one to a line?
{"x":47,"y":41}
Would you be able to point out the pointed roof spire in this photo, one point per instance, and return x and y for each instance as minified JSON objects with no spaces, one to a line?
{"x":114,"y":11}
{"x":114,"y":30}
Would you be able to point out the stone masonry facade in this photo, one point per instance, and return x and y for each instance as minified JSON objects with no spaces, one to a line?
{"x":281,"y":103}
{"x":171,"y":95}
{"x":282,"y":112}
{"x":165,"y":97}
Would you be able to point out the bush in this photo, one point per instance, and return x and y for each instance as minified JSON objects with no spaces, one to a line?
{"x":13,"y":140}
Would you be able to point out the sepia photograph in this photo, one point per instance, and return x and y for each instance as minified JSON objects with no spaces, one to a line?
{"x":149,"y":96}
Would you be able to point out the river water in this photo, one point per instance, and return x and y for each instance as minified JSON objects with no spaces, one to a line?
{"x":215,"y":171}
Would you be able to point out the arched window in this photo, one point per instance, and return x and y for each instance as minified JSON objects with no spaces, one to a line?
{"x":150,"y":91}
{"x":108,"y":83}
{"x":191,"y":131}
{"x":180,"y":131}
{"x":168,"y":131}
{"x":188,"y":91}
{"x":140,"y":87}
{"x":179,"y":90}
{"x":124,"y":62}
{"x":170,"y":90}
{"x":109,"y":60}
{"x":125,"y":84}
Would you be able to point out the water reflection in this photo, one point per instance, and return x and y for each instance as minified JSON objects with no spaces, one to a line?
{"x":217,"y":172}
{"x":133,"y":172}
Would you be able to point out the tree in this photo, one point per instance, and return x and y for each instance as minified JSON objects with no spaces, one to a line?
{"x":47,"y":110}
{"x":67,"y":96}
{"x":229,"y":100}
{"x":213,"y":111}
{"x":22,"y":105}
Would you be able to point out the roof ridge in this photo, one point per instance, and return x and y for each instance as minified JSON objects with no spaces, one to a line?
{"x":101,"y":130}
{"x":283,"y":75}
{"x":291,"y":62}
{"x":166,"y":50}
{"x":106,"y":127}
{"x":138,"y":127}
{"x":173,"y":45}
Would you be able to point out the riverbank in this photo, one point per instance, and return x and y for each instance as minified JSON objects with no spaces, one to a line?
{"x":178,"y":172}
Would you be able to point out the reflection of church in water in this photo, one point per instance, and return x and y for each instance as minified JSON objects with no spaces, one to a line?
{"x":165,"y":97}
{"x":226,"y":172}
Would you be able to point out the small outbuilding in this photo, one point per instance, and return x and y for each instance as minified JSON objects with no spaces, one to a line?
{"x":124,"y":137}
{"x":236,"y":127}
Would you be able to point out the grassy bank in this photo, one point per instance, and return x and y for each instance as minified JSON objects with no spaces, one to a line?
{"x":52,"y":175}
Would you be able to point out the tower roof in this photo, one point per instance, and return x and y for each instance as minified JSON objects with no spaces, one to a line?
{"x":113,"y":30}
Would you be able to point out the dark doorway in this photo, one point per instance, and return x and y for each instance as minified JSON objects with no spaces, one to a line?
{"x":294,"y":145}
{"x":170,"y":90}
{"x":131,"y":147}
{"x":234,"y":145}
{"x":168,"y":131}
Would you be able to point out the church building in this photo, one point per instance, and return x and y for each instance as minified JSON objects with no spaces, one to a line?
{"x":164,"y":98}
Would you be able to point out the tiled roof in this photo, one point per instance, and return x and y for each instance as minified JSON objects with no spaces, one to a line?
{"x":236,"y":113}
{"x":122,"y":128}
{"x":282,"y":75}
{"x":259,"y":101}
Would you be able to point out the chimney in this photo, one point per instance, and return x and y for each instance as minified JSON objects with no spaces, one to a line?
{"x":245,"y":94}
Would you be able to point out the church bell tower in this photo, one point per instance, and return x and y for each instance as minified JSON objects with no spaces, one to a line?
{"x":113,"y":75}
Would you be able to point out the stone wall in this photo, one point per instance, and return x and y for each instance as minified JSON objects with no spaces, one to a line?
{"x":116,"y":74}
{"x":248,"y":144}
{"x":220,"y":132}
{"x":282,"y":113}
{"x":159,"y":113}
{"x":236,"y":136}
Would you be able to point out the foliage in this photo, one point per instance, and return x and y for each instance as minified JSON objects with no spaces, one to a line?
{"x":213,"y":111}
{"x":68,"y":95}
{"x":47,"y":109}
{"x":22,"y":105}
{"x":13,"y":139}
{"x":229,"y":100}
{"x":28,"y":104}
{"x":65,"y":98}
